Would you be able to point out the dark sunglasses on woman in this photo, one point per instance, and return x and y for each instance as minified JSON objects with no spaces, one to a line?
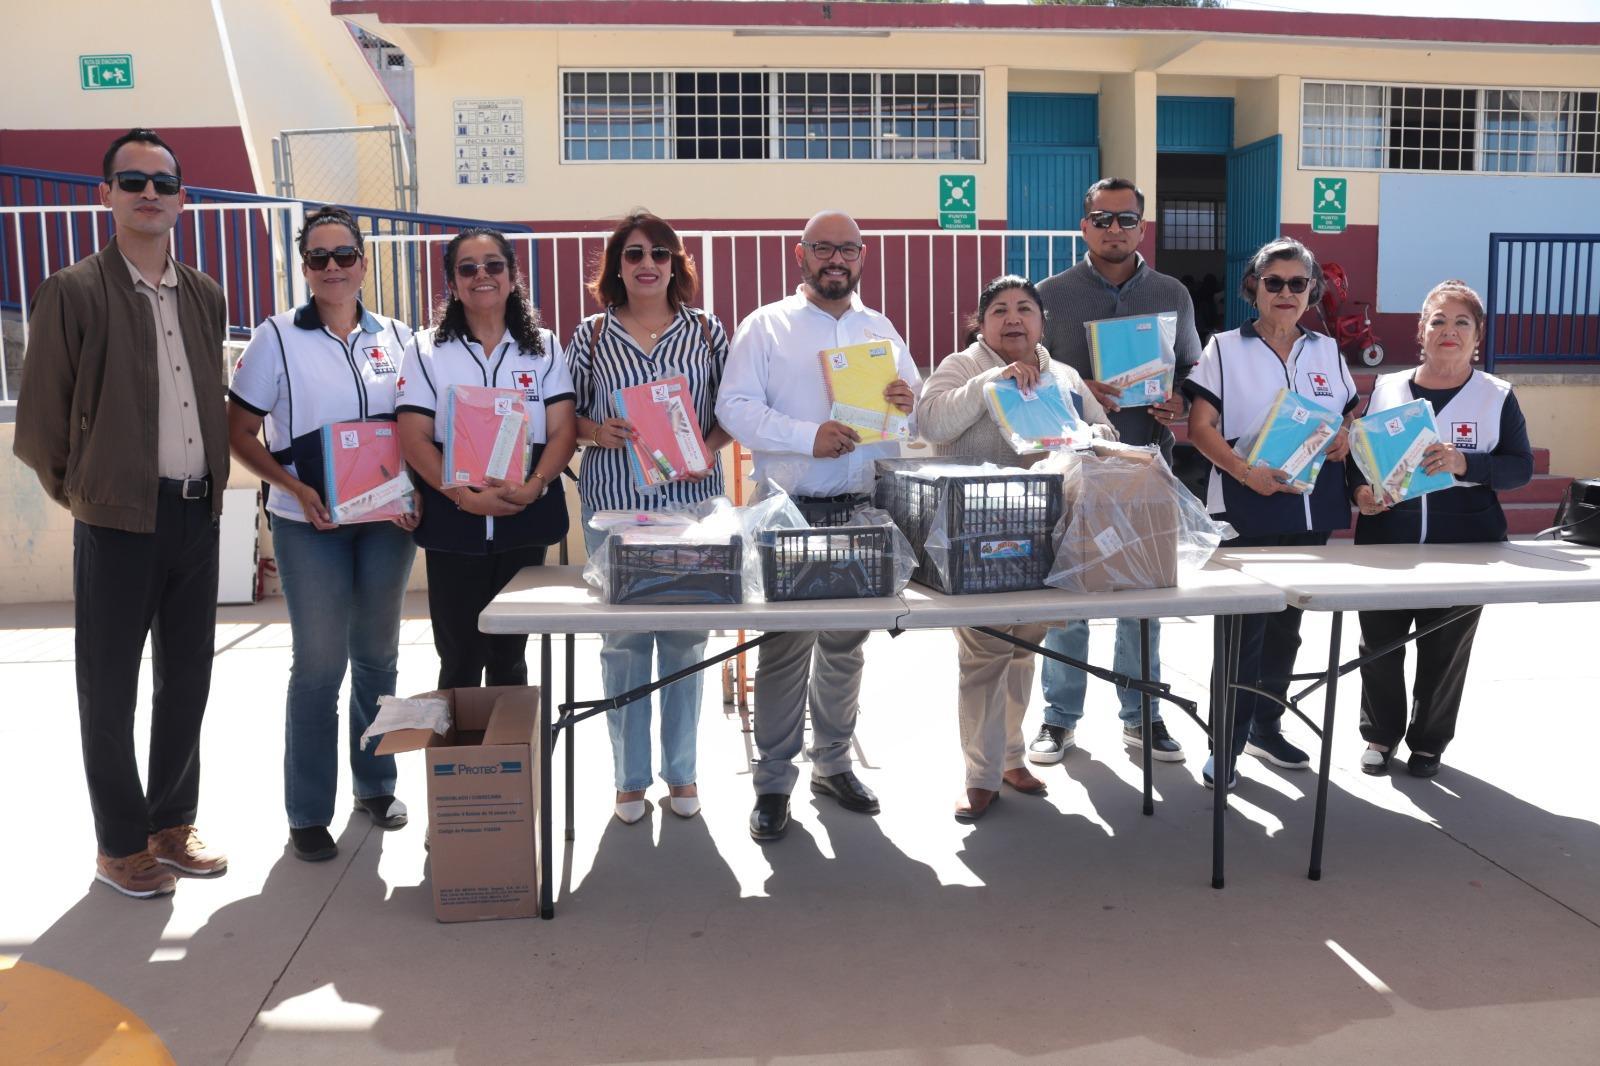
{"x":492,"y":267}
{"x":1275,"y":284}
{"x":344,"y":255}
{"x":634,"y":253}
{"x":135,"y":180}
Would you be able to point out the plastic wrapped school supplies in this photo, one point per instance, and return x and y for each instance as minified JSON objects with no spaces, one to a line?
{"x":976,"y":526}
{"x":855,"y":377}
{"x":667,"y":557}
{"x":1127,"y":523}
{"x":667,"y":445}
{"x":1135,"y":354}
{"x":863,"y":554}
{"x":364,"y":478}
{"x":1038,"y":419}
{"x":1387,"y":447}
{"x":1293,"y":436}
{"x":485,"y":436}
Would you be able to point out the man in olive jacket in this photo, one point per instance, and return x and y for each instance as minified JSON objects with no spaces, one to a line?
{"x":121,"y":416}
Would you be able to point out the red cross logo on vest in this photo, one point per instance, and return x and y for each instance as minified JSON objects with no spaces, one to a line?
{"x":524,"y":380}
{"x":1319,"y":385}
{"x":1464,"y":435}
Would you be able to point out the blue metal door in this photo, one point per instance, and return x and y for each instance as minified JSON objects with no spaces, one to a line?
{"x":1254,"y":213}
{"x":1054,"y":156}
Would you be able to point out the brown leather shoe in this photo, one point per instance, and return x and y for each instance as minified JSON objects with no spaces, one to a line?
{"x":976,"y":804}
{"x":1023,"y":781}
{"x":182,"y":849}
{"x":137,"y":875}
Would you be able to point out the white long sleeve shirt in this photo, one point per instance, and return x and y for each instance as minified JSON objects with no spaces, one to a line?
{"x":773,"y":397}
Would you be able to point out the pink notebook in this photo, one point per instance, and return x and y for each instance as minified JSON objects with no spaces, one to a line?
{"x":363,"y":476}
{"x":485,"y":436}
{"x":668,"y":445}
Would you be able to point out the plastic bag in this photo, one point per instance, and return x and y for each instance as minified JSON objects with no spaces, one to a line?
{"x":1136,"y":354}
{"x":864,"y":556}
{"x":1387,"y":447}
{"x":1293,"y":436}
{"x":979,"y":527}
{"x":1127,"y":522}
{"x":668,"y":557}
{"x":1039,"y":419}
{"x":485,"y":436}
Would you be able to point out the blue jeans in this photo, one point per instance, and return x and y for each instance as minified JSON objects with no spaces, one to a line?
{"x":344,"y":588}
{"x":624,"y":666}
{"x":1064,"y":685}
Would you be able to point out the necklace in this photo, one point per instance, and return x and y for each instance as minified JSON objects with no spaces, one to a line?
{"x":654,"y":333}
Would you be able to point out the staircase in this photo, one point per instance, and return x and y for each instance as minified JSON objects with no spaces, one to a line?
{"x":1528,"y":510}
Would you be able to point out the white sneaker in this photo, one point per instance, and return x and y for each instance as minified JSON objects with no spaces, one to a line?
{"x":1052,"y":744}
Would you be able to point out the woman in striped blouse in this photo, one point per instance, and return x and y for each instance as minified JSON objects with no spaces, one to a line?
{"x":646,"y":332}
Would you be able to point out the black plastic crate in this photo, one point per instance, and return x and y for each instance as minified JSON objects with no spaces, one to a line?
{"x":999,"y":525}
{"x":827,"y":562}
{"x":829,"y":512}
{"x":673,"y":573}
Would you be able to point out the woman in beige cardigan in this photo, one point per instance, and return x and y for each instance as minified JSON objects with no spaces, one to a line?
{"x":996,"y":676}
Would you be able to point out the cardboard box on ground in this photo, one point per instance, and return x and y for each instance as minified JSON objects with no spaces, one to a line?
{"x":1121,"y":522}
{"x":483,"y":806}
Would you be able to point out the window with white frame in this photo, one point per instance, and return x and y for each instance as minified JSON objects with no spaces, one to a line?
{"x":1193,"y":225}
{"x":790,"y":115}
{"x":1351,"y":125}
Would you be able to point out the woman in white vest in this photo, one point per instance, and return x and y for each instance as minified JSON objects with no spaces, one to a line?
{"x":1486,"y":448}
{"x":329,"y":361}
{"x":1239,"y":375}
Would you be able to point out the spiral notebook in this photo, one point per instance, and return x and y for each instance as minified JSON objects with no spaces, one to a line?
{"x":1294,"y":437}
{"x":1387,"y":447}
{"x":485,"y":436}
{"x":855,"y":377}
{"x":667,"y":445}
{"x":1136,"y":355}
{"x":364,"y":478}
{"x":1035,"y":419}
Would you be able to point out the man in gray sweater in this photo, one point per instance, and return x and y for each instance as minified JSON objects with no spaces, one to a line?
{"x":1112,"y":281}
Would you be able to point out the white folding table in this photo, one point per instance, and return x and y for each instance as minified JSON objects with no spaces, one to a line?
{"x":1335,"y":578}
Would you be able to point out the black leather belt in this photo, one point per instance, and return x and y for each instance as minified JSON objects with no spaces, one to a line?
{"x":186,"y":488}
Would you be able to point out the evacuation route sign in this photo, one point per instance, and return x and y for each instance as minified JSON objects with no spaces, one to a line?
{"x":1329,"y":198}
{"x":105,"y":72}
{"x":958,"y":201}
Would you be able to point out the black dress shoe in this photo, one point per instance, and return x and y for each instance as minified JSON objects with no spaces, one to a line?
{"x":848,"y":790}
{"x":770,"y":819}
{"x":1423,"y":765}
{"x":313,"y":844}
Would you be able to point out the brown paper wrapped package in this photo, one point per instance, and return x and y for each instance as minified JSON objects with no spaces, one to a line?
{"x":1122,"y":523}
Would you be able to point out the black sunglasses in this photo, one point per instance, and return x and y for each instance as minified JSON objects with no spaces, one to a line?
{"x":1273,"y":283}
{"x":135,"y":181}
{"x":344,"y":255}
{"x":824,"y":250}
{"x":492,"y":267}
{"x":634,"y":253}
{"x":1125,"y":219}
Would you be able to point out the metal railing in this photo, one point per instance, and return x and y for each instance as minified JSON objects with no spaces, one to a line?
{"x":1543,"y":299}
{"x":925,"y":281}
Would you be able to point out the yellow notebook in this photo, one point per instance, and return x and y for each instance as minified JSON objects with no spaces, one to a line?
{"x":856,"y":376}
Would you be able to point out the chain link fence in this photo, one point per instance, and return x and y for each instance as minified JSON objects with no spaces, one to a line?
{"x":366,"y":166}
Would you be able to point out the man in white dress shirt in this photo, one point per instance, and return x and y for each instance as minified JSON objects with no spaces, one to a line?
{"x":774,"y":402}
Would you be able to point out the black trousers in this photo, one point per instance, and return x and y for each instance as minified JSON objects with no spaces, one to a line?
{"x":127,"y":586}
{"x":1442,"y":658}
{"x":1268,"y":647}
{"x":459,"y":587}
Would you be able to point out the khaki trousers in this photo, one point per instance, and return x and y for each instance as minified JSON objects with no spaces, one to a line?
{"x":996,"y":684}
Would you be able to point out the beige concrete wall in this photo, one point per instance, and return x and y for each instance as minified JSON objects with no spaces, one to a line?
{"x":35,"y":534}
{"x":1560,"y":409}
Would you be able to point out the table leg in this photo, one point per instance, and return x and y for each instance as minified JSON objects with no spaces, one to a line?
{"x":1315,"y":873}
{"x":1221,"y":654}
{"x":547,"y":908}
{"x":571,"y":741}
{"x":1144,"y":711}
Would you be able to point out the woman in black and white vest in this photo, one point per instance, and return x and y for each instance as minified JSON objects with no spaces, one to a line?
{"x":1485,"y":446}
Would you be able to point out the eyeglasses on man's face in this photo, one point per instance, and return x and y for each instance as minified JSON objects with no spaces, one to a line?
{"x":134,"y":181}
{"x":345,"y":256}
{"x":849,"y":251}
{"x":1125,"y":219}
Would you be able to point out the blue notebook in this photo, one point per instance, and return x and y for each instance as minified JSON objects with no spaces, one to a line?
{"x":1136,"y":355}
{"x":1293,"y":437}
{"x":1387,"y":447}
{"x":1042,"y":418}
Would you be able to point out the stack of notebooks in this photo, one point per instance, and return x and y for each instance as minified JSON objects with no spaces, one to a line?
{"x":1036,"y":419}
{"x":856,"y":376}
{"x":485,"y":436}
{"x":667,"y":445}
{"x":364,"y":479}
{"x":1387,"y":447}
{"x":1136,"y":355}
{"x":1293,"y":437}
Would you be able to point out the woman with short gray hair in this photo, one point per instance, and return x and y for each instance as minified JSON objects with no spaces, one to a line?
{"x":1239,"y":376}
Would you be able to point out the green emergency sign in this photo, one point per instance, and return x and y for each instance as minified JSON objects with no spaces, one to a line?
{"x":958,"y":201}
{"x":1329,"y":200}
{"x":105,"y":72}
